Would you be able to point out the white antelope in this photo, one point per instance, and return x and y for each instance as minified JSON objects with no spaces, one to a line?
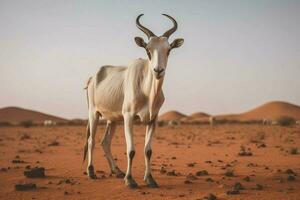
{"x":123,"y":92}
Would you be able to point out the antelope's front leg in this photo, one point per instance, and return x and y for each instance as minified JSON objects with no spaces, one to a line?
{"x":148,"y":152}
{"x":128,"y":128}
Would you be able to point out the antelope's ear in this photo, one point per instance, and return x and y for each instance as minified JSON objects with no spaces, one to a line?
{"x":177,"y":43}
{"x":140,"y":42}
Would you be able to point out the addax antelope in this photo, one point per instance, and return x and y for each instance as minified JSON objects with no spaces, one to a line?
{"x":124,"y":92}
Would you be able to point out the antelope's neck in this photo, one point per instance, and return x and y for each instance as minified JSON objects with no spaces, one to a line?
{"x":153,"y":90}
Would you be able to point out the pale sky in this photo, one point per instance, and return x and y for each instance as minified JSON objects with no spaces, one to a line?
{"x":236,"y":55}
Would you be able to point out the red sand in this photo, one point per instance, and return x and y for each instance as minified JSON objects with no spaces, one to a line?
{"x":174,"y":147}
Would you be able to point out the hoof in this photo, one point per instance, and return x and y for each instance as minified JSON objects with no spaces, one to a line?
{"x":91,"y":173}
{"x":92,"y":176}
{"x":130,"y":182}
{"x":118,"y":173}
{"x":151,"y":183}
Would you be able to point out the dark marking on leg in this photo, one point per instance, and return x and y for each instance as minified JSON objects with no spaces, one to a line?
{"x":131,"y":154}
{"x":129,"y":181}
{"x":91,"y":172}
{"x":149,"y":154}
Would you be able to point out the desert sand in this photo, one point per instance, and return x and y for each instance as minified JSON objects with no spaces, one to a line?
{"x":189,"y":162}
{"x":15,"y":115}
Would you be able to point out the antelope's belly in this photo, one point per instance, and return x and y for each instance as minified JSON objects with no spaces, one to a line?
{"x":111,"y":116}
{"x":110,"y":109}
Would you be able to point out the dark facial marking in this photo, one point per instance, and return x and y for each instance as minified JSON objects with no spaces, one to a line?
{"x":148,"y":53}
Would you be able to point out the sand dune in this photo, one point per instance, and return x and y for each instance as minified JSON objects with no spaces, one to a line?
{"x":17,"y":115}
{"x":171,"y":115}
{"x":271,"y":110}
{"x":198,"y":116}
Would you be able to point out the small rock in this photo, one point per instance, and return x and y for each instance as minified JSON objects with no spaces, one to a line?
{"x":232,"y":192}
{"x":38,"y":172}
{"x":294,"y":151}
{"x":202,"y":173}
{"x":25,"y":187}
{"x":18,"y":161}
{"x":25,"y":137}
{"x":171,"y":173}
{"x":247,"y":179}
{"x":210,"y":197}
{"x":229,"y":173}
{"x":244,"y":152}
{"x":3,"y":169}
{"x":238,"y":186}
{"x":209,"y":180}
{"x":163,"y":170}
{"x":188,"y":182}
{"x":258,"y":187}
{"x":190,"y":176}
{"x":66,"y":181}
{"x":262,"y":145}
{"x":191,"y":164}
{"x":54,"y":143}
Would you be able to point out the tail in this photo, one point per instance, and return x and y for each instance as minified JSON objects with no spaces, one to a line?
{"x":85,"y":148}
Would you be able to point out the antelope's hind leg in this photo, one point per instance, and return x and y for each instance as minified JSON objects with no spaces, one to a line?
{"x":106,"y":144}
{"x":93,"y":120}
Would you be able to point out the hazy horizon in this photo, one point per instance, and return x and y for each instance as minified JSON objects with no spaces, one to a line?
{"x":237,"y":54}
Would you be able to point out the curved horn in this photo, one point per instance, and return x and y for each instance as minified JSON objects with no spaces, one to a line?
{"x":173,"y":29}
{"x":142,"y":28}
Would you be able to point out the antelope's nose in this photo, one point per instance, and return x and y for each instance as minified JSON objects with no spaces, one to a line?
{"x":158,"y":70}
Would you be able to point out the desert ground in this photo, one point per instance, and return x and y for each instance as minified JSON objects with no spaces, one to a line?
{"x":189,"y":162}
